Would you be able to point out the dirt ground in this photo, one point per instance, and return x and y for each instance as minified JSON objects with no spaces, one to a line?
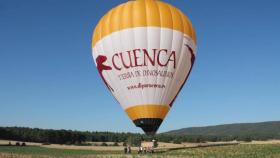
{"x":161,"y":145}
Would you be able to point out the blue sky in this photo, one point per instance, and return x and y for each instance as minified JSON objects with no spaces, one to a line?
{"x":48,"y":78}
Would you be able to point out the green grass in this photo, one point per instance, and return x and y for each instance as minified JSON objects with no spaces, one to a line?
{"x":50,"y":152}
{"x":234,"y":151}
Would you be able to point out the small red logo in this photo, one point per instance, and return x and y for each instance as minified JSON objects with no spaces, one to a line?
{"x":101,"y":67}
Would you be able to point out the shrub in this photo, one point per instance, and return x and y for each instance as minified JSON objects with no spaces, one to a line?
{"x":177,"y":141}
{"x":68,"y":143}
{"x":84,"y":144}
{"x":116,"y":144}
{"x":124,"y":144}
{"x":247,"y":139}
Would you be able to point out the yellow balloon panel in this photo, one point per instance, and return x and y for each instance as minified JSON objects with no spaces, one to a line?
{"x":141,"y":13}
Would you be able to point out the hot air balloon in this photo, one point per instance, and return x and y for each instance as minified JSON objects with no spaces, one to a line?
{"x":144,"y":51}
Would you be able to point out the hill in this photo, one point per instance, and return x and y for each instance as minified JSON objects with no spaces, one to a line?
{"x":271,"y":129}
{"x":227,"y":132}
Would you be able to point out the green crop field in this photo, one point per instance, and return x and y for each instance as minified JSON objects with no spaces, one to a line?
{"x":238,"y":151}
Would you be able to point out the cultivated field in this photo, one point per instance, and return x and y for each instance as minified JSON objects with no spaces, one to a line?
{"x":255,"y":149}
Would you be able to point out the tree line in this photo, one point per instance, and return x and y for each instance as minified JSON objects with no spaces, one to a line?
{"x":79,"y":137}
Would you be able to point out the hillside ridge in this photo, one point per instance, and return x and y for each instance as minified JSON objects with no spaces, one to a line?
{"x":268,"y":127}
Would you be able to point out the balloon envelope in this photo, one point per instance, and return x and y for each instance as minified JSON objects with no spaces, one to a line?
{"x":144,"y":51}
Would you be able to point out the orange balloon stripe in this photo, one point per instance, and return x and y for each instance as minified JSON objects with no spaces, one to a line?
{"x":143,"y":13}
{"x":147,"y":111}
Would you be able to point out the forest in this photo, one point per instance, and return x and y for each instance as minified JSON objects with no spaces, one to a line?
{"x":62,"y":136}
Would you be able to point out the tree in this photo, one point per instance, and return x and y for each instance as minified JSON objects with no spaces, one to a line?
{"x":177,"y":141}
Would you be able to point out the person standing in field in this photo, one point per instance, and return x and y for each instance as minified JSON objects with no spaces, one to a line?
{"x":128,"y":149}
{"x":125,"y":150}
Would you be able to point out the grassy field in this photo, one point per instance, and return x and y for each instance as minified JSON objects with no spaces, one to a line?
{"x":231,"y":151}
